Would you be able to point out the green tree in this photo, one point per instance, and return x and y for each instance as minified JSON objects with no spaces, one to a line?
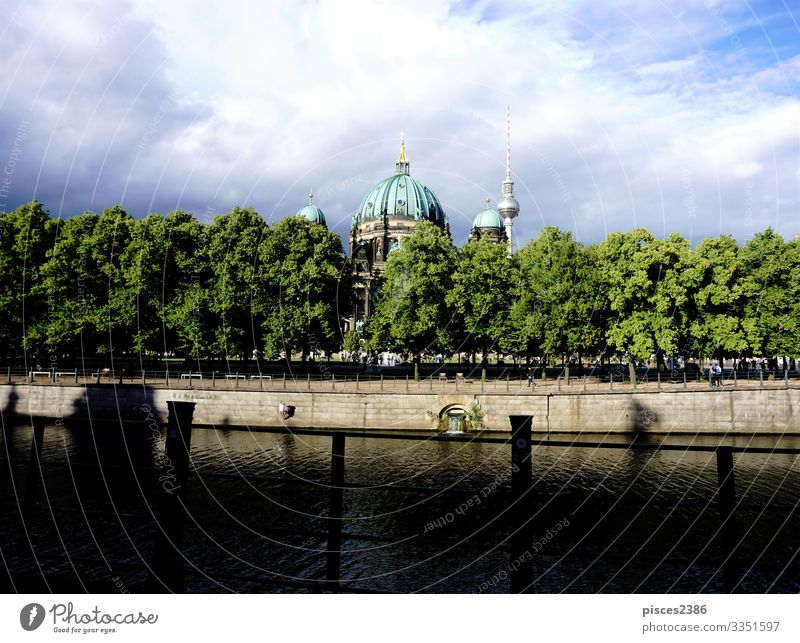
{"x":305,"y":287}
{"x":113,"y":316}
{"x":351,"y":342}
{"x":233,"y":255}
{"x":410,"y":312}
{"x":768,"y":272}
{"x":647,"y":293}
{"x":715,"y":308}
{"x":481,"y":295}
{"x":73,"y":286}
{"x":167,"y":267}
{"x":555,"y":308}
{"x":25,"y":237}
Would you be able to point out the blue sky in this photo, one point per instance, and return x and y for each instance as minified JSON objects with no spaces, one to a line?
{"x":679,"y":117}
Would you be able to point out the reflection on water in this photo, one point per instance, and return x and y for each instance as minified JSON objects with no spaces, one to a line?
{"x":420,"y":516}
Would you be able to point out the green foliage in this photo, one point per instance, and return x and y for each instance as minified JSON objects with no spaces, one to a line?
{"x":480,"y":295}
{"x":769,"y":271}
{"x":305,"y":286}
{"x":232,"y":248}
{"x":643,"y":278}
{"x":411,"y":314}
{"x":108,"y":283}
{"x":716,"y":305}
{"x":352,"y":342}
{"x":554,"y":307}
{"x":25,"y":236}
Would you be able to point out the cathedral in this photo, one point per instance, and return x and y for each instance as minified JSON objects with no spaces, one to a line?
{"x":389,"y":213}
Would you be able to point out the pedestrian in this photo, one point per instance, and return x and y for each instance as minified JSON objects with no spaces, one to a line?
{"x":530,"y":376}
{"x":716,"y":374}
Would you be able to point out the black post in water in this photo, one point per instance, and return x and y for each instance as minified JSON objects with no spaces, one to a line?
{"x":336,"y":507}
{"x":522,"y":505}
{"x":727,"y":514}
{"x":167,"y":569}
{"x":34,"y":480}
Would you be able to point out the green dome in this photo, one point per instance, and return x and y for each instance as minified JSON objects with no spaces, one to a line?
{"x":488,"y":219}
{"x":400,"y":196}
{"x":312,"y":212}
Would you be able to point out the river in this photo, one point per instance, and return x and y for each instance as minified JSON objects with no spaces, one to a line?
{"x":608,"y":520}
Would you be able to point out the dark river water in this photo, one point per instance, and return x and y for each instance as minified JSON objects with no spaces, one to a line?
{"x":607,"y":520}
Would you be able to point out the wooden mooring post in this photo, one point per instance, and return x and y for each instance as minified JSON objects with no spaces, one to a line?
{"x":522,"y":508}
{"x":166,"y":572}
{"x":335,"y":511}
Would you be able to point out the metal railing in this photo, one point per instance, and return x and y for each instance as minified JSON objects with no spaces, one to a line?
{"x":508,"y":380}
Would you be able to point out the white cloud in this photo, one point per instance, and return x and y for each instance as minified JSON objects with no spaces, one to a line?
{"x":620,"y":115}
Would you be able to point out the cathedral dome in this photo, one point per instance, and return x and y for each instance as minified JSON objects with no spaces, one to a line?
{"x":488,"y":218}
{"x":400,"y":197}
{"x":312,"y":212}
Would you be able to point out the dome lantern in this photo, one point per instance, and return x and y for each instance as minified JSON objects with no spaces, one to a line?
{"x":401,"y":165}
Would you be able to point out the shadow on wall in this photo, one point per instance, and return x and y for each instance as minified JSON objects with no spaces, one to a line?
{"x":8,"y":414}
{"x":118,"y":437}
{"x":640,"y":418}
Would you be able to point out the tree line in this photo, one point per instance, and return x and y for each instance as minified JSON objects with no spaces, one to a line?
{"x":103,"y":284}
{"x":631,"y":295}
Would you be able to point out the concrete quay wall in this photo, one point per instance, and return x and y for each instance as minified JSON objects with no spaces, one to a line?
{"x":739,"y":410}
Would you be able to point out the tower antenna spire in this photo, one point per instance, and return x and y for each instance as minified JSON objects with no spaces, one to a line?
{"x":508,"y":142}
{"x":508,"y":207}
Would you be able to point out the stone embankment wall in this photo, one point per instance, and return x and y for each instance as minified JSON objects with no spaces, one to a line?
{"x":768,"y":410}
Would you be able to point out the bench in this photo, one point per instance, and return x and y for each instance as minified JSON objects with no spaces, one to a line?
{"x":261,"y":377}
{"x":189,"y":376}
{"x":235,"y":376}
{"x":35,"y":373}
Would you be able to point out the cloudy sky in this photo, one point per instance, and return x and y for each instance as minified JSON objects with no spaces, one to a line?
{"x":676,"y":116}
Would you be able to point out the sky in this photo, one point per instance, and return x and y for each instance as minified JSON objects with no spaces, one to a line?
{"x":677,"y":116}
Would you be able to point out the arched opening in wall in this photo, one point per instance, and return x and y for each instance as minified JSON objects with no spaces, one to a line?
{"x":452,"y":418}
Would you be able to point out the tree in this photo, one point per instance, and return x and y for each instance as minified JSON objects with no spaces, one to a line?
{"x":167,"y":268}
{"x":188,"y":287}
{"x":481,"y":295}
{"x":233,"y":254}
{"x":73,"y":286}
{"x":769,"y":322}
{"x":646,"y":292}
{"x":113,"y":314}
{"x":410,"y":312}
{"x":715,"y":307}
{"x":305,"y":288}
{"x":555,"y":308}
{"x":25,"y":236}
{"x":351,"y":342}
